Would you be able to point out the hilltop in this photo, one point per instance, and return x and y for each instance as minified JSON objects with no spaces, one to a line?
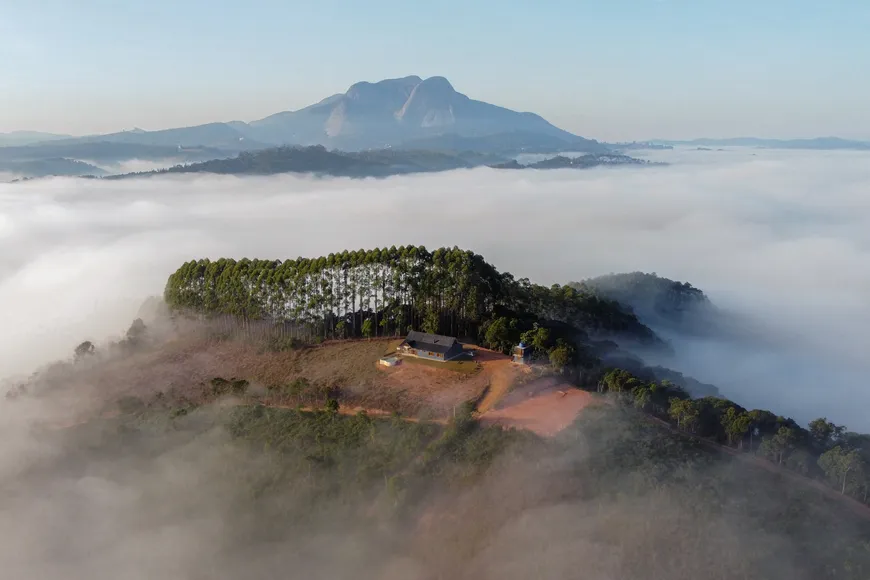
{"x":247,"y":412}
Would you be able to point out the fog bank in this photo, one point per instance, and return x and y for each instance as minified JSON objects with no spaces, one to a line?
{"x":780,"y":236}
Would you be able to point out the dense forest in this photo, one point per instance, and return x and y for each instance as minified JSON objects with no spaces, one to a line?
{"x":318,"y":160}
{"x":386,"y":292}
{"x":655,"y":299}
{"x":588,"y":161}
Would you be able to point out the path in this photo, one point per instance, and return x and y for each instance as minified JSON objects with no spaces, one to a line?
{"x":501,"y":379}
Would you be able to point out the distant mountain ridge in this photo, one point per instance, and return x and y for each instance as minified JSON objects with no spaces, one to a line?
{"x":28,"y":138}
{"x":387,"y":113}
{"x":816,"y":143}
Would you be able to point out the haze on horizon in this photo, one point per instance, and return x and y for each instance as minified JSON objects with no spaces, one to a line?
{"x":611,"y":71}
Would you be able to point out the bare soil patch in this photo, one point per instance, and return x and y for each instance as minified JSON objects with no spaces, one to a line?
{"x":544,"y":407}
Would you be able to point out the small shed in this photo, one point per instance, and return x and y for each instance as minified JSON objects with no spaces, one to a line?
{"x":390,"y":361}
{"x":522,"y":354}
{"x":430,"y":346}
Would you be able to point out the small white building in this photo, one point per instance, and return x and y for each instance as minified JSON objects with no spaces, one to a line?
{"x":390,"y":361}
{"x":522,"y":354}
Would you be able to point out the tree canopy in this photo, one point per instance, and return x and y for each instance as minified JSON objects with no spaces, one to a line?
{"x":448,"y":291}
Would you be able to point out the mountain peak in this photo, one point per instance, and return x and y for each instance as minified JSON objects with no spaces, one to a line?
{"x":394,"y":111}
{"x":365,"y":88}
{"x":438,"y":83}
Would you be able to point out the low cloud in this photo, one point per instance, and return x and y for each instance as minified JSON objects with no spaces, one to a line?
{"x":780,"y":237}
{"x":136,"y":165}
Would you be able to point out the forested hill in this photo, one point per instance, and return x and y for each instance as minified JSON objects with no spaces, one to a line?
{"x":386,"y":291}
{"x":654,"y":299}
{"x":318,"y":160}
{"x":370,"y":163}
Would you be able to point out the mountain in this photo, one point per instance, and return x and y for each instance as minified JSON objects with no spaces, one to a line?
{"x":817,"y":143}
{"x":408,"y":112}
{"x":394,"y":111}
{"x":226,"y":136}
{"x":27,"y":138}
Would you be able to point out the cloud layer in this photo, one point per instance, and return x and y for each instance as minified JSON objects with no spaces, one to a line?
{"x":780,"y":236}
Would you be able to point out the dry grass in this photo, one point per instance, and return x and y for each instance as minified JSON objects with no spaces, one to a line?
{"x":346,"y":370}
{"x":466,"y":367}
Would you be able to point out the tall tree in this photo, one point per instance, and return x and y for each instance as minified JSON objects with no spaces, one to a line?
{"x":842,"y":466}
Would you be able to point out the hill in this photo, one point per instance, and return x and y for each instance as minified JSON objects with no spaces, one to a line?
{"x":107,"y":152}
{"x":50,"y":167}
{"x":371,"y":163}
{"x":817,"y":143}
{"x":317,"y":160}
{"x":653,"y":298}
{"x":222,"y":136}
{"x":587,"y":161}
{"x":247,"y":423}
{"x":250,"y":467}
{"x":28,"y":138}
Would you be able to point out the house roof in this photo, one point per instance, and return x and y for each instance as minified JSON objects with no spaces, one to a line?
{"x":430,"y":342}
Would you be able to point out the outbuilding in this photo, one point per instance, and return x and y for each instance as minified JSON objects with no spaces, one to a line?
{"x":522,"y":354}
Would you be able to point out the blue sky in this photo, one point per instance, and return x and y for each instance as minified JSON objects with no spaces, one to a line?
{"x":615,"y":69}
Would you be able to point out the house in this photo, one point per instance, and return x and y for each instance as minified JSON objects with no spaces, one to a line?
{"x":430,"y":346}
{"x":522,"y":354}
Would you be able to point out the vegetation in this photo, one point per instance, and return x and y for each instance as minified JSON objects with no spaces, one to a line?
{"x":588,"y":161}
{"x":465,"y":367}
{"x":386,"y":292}
{"x":612,"y":483}
{"x":824,"y":451}
{"x":318,"y":160}
{"x":49,"y":167}
{"x":650,"y":296}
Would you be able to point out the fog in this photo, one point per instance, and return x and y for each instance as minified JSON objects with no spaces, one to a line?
{"x":136,"y":165}
{"x":778,"y":236}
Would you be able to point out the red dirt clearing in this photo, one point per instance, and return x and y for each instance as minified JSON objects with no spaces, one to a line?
{"x":544,"y":407}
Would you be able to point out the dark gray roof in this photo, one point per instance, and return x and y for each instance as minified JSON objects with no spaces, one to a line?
{"x":430,"y":342}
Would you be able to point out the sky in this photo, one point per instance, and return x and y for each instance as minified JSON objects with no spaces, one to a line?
{"x":777,"y":238}
{"x":616,"y":70}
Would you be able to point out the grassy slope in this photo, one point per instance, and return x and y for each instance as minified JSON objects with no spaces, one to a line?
{"x":613,"y":484}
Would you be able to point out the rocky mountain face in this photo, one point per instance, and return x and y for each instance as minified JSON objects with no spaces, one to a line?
{"x":394,"y":111}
